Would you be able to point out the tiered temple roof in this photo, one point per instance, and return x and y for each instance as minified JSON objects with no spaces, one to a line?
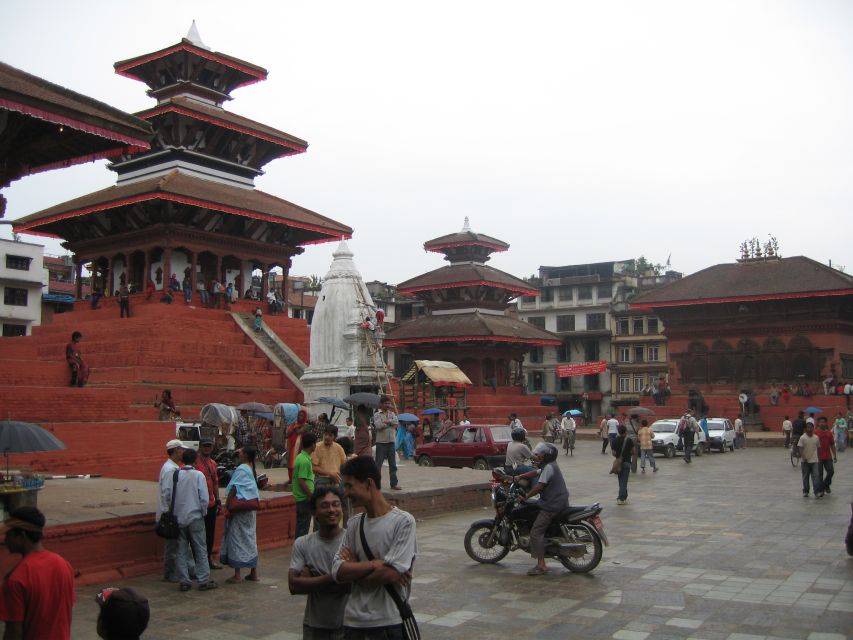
{"x":193,"y":192}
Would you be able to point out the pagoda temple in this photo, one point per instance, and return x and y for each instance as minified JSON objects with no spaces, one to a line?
{"x":188,"y":205}
{"x":466,"y":321}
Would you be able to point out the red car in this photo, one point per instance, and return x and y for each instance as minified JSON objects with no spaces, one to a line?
{"x":473,"y":445}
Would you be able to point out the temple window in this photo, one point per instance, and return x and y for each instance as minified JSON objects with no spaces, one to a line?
{"x":624,"y":384}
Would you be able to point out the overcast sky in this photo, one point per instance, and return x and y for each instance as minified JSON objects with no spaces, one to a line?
{"x":575,"y":131}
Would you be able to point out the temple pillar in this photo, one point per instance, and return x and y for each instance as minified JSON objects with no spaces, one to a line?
{"x":265,"y":281}
{"x":285,"y":285}
{"x":193,"y":268}
{"x":78,"y":277}
{"x":146,"y":269}
{"x":110,"y":276}
{"x":219,"y":269}
{"x":167,"y":266}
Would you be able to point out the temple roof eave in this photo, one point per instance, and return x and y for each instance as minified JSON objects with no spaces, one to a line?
{"x":251,"y":72}
{"x":464,"y":275}
{"x":227,"y":120}
{"x":183,"y":189}
{"x":472,"y":326}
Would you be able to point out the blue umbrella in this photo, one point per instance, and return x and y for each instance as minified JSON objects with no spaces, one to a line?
{"x":812,"y":410}
{"x":572,"y":412}
{"x":432,"y":412}
{"x":407,"y":417}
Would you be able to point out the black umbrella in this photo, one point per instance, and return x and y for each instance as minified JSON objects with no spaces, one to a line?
{"x":254,"y":407}
{"x":367,"y":399}
{"x":340,"y":404}
{"x":25,"y":437}
{"x":639,"y":411}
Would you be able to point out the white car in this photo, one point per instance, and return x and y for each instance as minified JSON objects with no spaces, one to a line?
{"x":721,"y":434}
{"x":666,"y":440}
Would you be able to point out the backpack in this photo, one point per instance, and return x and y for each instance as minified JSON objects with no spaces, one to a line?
{"x":683,"y":426}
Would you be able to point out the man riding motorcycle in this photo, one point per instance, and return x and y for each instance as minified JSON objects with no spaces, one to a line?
{"x":519,"y":458}
{"x":554,"y":498}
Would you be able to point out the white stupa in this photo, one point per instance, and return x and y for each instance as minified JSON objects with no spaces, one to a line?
{"x":340,"y":357}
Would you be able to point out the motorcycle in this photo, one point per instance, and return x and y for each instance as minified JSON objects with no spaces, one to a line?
{"x":575,"y":537}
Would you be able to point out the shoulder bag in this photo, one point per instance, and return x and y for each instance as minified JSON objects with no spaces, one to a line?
{"x":233,"y":503}
{"x":617,"y":461}
{"x":167,"y":526}
{"x":410,"y":625}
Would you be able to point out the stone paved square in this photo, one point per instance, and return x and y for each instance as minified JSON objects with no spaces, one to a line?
{"x":723,"y":549}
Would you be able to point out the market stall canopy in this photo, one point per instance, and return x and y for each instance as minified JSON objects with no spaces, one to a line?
{"x":219,"y":415}
{"x":439,"y":372}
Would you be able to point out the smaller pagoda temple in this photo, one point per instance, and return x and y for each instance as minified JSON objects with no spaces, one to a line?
{"x":466,"y":321}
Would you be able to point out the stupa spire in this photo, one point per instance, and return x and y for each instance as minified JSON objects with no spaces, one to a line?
{"x":466,"y":228}
{"x":194,"y":37}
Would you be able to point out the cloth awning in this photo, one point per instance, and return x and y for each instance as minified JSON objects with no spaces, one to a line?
{"x":439,"y":372}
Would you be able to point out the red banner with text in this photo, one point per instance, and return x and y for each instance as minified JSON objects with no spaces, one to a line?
{"x":581,"y":369}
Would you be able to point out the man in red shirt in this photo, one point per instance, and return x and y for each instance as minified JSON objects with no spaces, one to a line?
{"x":207,"y":466}
{"x":826,"y":455}
{"x":37,"y":595}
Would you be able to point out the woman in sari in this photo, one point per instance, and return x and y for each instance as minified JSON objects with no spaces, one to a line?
{"x":239,"y":547}
{"x":79,"y":369}
{"x":294,"y":439}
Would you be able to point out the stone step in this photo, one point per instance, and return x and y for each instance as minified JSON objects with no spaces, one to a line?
{"x":166,"y":376}
{"x":64,"y":404}
{"x":134,"y":450}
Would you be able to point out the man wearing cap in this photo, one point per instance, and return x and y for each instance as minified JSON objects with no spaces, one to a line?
{"x":37,"y":595}
{"x":207,"y":466}
{"x":123,"y":615}
{"x":174,"y":450}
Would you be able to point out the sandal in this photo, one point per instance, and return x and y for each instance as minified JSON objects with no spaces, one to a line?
{"x":537,"y":571}
{"x":251,"y":579}
{"x":234,"y":580}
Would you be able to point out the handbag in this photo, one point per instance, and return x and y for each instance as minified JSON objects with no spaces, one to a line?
{"x":233,"y":503}
{"x":410,"y":625}
{"x":617,"y":461}
{"x":167,"y":526}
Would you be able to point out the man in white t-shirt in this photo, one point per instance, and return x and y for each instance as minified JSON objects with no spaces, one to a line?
{"x":386,"y":560}
{"x":787,"y":428}
{"x":311,"y":568}
{"x":612,"y":429}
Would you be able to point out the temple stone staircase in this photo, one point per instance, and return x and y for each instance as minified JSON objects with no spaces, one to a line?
{"x":111,"y":427}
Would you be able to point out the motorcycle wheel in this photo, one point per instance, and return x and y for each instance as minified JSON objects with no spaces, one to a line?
{"x":591,"y":558}
{"x":475,"y":540}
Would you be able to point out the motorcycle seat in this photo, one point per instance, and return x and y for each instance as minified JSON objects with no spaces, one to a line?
{"x":570,"y":511}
